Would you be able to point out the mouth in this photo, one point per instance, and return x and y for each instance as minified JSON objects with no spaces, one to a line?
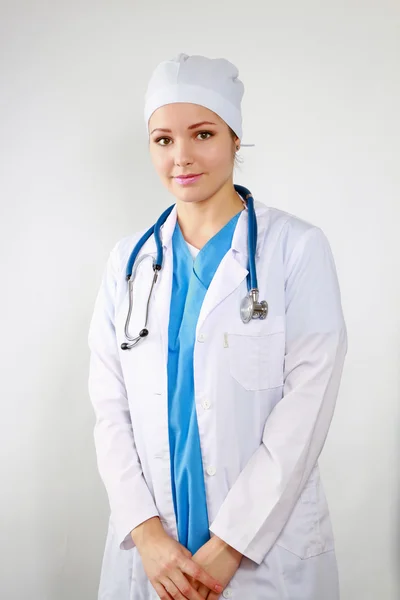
{"x":187,"y":179}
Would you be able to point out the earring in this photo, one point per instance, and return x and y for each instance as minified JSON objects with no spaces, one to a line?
{"x":237,"y":148}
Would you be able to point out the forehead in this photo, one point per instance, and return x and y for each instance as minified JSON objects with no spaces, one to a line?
{"x":181,"y":115}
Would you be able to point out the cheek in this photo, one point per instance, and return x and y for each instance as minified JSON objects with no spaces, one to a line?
{"x":161,"y":162}
{"x":218,"y":159}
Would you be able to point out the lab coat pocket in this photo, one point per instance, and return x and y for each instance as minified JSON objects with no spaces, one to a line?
{"x":308,"y":531}
{"x":256,"y":355}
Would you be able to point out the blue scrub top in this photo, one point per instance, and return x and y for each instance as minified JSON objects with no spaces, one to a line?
{"x":191,"y":279}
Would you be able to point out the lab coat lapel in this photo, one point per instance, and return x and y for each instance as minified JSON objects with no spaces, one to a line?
{"x":230,"y":273}
{"x":227,"y":278}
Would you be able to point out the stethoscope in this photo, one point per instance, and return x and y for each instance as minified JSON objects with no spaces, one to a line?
{"x":250,"y":307}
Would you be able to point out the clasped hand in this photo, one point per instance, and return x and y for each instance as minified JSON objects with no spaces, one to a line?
{"x":177,"y":575}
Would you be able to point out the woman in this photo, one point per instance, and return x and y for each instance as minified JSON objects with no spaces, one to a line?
{"x":210,"y":423}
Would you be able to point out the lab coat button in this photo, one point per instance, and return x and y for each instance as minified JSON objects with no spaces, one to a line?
{"x":211,"y":470}
{"x":206,"y":404}
{"x":201,"y":337}
{"x":227,"y":593}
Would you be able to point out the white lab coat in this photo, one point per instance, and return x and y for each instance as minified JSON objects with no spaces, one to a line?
{"x":265,"y":394}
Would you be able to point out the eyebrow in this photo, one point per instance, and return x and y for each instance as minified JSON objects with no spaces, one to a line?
{"x":190,"y":127}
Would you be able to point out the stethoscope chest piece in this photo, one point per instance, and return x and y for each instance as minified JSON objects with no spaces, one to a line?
{"x":251,"y":308}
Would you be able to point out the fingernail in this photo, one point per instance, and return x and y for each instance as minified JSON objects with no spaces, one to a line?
{"x":218,"y":588}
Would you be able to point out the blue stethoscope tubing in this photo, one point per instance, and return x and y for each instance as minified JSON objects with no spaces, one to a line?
{"x":156,"y":230}
{"x":250,"y":307}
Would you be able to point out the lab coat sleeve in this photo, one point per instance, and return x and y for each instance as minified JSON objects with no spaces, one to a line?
{"x":260,"y":502}
{"x":130,"y":500}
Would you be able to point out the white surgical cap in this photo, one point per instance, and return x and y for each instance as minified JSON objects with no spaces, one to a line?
{"x":209,"y":82}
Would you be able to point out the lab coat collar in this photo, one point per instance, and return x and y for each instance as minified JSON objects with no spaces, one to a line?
{"x":240,"y":237}
{"x":167,"y":230}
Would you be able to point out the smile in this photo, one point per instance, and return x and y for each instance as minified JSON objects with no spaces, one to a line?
{"x":187,"y":179}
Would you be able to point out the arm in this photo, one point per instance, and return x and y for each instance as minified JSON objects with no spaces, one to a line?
{"x":130,"y":500}
{"x":260,"y":502}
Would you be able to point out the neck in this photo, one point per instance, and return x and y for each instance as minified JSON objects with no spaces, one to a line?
{"x":200,"y":221}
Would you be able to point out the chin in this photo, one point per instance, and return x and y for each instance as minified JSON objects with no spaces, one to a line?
{"x":190,"y":194}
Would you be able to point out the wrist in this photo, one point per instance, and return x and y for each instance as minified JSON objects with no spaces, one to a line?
{"x":224,"y":546}
{"x":148,"y":531}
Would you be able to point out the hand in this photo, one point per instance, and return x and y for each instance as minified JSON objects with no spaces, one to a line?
{"x":168,"y":564}
{"x":220,"y":560}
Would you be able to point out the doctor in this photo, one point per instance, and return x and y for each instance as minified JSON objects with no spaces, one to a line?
{"x":209,"y":428}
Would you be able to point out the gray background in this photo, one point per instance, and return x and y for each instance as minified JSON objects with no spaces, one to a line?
{"x":322,"y":106}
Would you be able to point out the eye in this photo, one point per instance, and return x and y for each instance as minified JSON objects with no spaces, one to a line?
{"x":163,"y":139}
{"x":205,"y":135}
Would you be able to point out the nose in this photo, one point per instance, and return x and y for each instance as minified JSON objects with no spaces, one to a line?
{"x":182,"y":156}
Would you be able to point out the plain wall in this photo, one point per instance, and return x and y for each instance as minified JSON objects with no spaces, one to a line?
{"x":322,"y":106}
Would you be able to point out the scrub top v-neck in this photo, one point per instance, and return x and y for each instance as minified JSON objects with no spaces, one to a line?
{"x":191,"y":279}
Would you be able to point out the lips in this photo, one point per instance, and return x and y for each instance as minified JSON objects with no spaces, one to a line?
{"x":188,"y":179}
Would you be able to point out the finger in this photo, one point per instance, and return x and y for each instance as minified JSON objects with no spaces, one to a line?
{"x":171,"y":589}
{"x":184,"y":586}
{"x":204,"y":591}
{"x":191,"y":568}
{"x":212,"y":596}
{"x":161,"y":592}
{"x":195,"y":584}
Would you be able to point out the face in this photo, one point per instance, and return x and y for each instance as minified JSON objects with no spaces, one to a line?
{"x":188,"y":139}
